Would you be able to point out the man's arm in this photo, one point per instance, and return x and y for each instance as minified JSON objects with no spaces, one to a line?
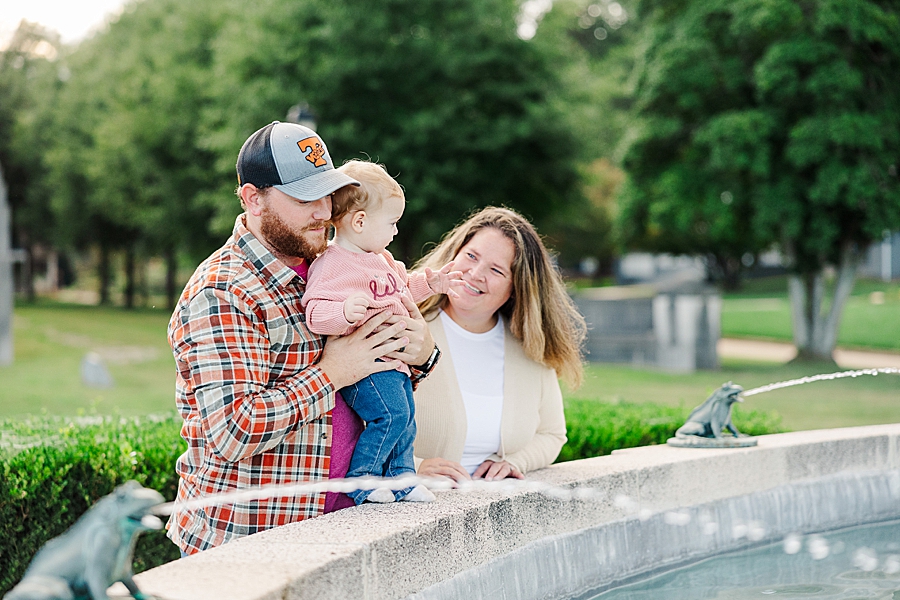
{"x":223,"y":350}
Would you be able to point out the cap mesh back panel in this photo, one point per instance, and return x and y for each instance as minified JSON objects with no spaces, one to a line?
{"x":255,"y":163}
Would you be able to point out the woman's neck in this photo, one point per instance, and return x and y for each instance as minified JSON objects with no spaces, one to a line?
{"x":469,"y":322}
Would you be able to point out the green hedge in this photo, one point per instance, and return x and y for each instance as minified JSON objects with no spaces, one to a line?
{"x":597,"y":428}
{"x":52,"y":470}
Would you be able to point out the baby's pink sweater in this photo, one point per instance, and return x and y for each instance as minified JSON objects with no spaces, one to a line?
{"x":338,"y":272}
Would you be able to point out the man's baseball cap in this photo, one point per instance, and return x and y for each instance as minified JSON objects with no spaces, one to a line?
{"x":291,"y":158}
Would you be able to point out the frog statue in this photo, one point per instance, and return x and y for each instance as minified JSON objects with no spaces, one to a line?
{"x":95,"y":552}
{"x":708,"y":419}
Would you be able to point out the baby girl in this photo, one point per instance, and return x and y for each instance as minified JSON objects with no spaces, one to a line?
{"x":355,"y":278}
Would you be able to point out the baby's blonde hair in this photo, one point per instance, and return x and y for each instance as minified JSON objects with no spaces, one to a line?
{"x":375,"y":187}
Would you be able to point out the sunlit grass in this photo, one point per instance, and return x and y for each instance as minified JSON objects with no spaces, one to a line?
{"x":842,"y":403}
{"x":871,"y":318}
{"x":50,"y":341}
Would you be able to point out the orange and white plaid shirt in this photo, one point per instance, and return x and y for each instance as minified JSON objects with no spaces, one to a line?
{"x":256,"y":408}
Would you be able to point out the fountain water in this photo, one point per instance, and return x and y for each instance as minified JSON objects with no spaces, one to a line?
{"x":813,"y":378}
{"x":859,"y":562}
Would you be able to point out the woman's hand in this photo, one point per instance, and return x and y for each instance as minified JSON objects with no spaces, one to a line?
{"x":420,"y":344}
{"x":492,"y":471}
{"x":439,"y":467}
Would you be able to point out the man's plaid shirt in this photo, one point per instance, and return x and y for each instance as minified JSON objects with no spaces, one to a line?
{"x":256,"y":407}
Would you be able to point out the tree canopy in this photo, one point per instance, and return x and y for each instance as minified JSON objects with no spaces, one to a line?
{"x":130,"y":138}
{"x":443,"y":93}
{"x":769,"y":121}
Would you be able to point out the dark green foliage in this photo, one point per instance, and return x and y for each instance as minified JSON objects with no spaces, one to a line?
{"x":131,"y":137}
{"x":27,"y":78}
{"x":764,"y":121}
{"x":443,"y":93}
{"x":52,"y":470}
{"x":597,"y":428}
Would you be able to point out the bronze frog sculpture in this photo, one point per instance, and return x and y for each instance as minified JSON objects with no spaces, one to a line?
{"x":708,"y":419}
{"x":95,"y":552}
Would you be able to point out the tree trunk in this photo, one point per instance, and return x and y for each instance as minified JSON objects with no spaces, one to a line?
{"x":171,"y":272}
{"x":815,"y":333}
{"x":130,"y":283}
{"x":28,"y":275}
{"x":726,"y":270}
{"x":103,"y":274}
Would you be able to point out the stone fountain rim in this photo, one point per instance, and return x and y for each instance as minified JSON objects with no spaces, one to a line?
{"x":393,"y":551}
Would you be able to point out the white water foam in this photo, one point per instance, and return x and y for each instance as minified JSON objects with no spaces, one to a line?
{"x":506,"y":486}
{"x":812,"y":378}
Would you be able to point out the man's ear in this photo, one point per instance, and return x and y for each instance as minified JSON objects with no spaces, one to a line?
{"x":358,"y":221}
{"x":252,"y":199}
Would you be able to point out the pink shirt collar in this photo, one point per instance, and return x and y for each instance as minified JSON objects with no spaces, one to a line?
{"x":302,"y":270}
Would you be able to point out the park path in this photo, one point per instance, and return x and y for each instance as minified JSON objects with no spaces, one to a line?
{"x":783,"y":352}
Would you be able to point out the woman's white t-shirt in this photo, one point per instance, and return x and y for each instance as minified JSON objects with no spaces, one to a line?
{"x":478,"y":362}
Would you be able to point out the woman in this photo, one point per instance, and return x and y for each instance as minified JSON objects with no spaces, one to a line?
{"x":492,"y":407}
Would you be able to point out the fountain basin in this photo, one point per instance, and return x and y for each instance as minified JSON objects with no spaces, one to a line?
{"x":528,"y":545}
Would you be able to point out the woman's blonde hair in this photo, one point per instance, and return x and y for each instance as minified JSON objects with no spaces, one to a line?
{"x":539,"y":311}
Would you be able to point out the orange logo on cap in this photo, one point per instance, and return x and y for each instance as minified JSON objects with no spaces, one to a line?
{"x":316,"y":152}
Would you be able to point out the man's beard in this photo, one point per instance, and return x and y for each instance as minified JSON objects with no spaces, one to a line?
{"x":289,"y":242}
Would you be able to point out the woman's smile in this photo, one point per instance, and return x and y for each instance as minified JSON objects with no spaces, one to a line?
{"x":472,"y":289}
{"x":486,"y":264}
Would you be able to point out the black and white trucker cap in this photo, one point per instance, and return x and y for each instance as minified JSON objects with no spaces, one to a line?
{"x":291,"y":158}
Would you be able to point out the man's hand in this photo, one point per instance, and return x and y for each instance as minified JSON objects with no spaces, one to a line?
{"x":493,"y":471}
{"x":420,"y":343}
{"x":439,"y":467}
{"x":355,"y":306}
{"x":442,"y":282}
{"x":347,"y":359}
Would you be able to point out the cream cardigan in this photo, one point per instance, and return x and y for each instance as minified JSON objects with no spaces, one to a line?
{"x":532,"y":424}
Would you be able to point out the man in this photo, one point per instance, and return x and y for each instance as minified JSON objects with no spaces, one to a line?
{"x":255,"y":387}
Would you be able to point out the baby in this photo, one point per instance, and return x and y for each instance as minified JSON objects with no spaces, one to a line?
{"x":355,"y":278}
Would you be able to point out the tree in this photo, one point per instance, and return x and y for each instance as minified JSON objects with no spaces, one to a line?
{"x":27,"y":82}
{"x":598,"y":43}
{"x":148,"y":166}
{"x":443,"y":93}
{"x":769,"y":121}
{"x":128,"y":167}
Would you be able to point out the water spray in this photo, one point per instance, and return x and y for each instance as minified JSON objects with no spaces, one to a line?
{"x":813,"y":378}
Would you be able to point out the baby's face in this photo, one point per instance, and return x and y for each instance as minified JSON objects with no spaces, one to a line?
{"x":381,"y":225}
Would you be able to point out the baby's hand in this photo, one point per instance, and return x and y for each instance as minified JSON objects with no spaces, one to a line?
{"x":355,"y":307}
{"x":442,"y":281}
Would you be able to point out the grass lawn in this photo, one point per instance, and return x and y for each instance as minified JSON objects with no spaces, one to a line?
{"x":763,"y":310}
{"x":51,"y":339}
{"x":847,"y":402}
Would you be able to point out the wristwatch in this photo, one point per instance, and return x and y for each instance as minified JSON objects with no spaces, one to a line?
{"x":427,"y":367}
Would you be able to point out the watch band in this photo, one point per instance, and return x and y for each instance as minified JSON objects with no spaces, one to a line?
{"x":427,"y":367}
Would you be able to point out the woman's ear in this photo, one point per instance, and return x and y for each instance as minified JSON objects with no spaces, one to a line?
{"x":358,"y":221}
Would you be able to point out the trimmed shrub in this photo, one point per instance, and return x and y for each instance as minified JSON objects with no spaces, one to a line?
{"x":53,"y":469}
{"x":596,"y":428}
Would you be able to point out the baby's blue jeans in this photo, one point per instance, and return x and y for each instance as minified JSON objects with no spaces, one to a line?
{"x":385,"y":448}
